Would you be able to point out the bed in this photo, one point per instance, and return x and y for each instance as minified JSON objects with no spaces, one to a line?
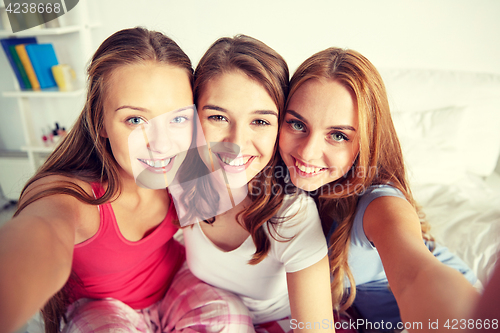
{"x":449,"y":127}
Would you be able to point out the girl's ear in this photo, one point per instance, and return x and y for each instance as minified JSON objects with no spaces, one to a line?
{"x":103,"y":132}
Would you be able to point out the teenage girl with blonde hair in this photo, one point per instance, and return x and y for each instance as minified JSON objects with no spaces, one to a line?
{"x":338,"y":141}
{"x":88,"y":224}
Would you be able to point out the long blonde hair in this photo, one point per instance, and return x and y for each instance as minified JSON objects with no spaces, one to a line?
{"x":86,"y":155}
{"x":380,"y":160}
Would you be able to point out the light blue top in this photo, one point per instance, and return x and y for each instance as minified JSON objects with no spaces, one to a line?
{"x":374,"y":301}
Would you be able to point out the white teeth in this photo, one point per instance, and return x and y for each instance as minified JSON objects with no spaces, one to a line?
{"x":239,"y":161}
{"x":156,"y":163}
{"x":305,"y":169}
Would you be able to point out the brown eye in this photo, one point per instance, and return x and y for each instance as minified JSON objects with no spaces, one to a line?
{"x":260,"y":122}
{"x":217,"y":118}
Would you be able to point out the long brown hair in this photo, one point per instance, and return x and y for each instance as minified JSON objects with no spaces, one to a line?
{"x":266,"y":67}
{"x":84,"y":154}
{"x":380,"y":160}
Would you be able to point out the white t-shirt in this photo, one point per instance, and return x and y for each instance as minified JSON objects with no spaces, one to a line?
{"x":262,"y":287}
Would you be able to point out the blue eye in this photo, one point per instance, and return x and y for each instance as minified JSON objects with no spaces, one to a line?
{"x":339,"y":137}
{"x":296,"y":125}
{"x":135,"y":120}
{"x":179,"y":120}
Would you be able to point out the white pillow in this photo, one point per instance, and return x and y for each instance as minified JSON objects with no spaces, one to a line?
{"x":479,"y":136}
{"x":411,"y":90}
{"x":430,"y":144}
{"x":414,"y":90}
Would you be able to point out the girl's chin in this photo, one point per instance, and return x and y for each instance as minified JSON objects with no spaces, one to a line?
{"x":233,"y":181}
{"x":306,"y":185}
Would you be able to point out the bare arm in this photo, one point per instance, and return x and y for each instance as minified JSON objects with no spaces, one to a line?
{"x":310,"y":298}
{"x":425,"y":289}
{"x":486,"y":314}
{"x":36,"y":250}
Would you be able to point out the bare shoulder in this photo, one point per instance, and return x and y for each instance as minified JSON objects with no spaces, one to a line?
{"x":58,"y":208}
{"x":54,"y":181}
{"x":388,"y":217}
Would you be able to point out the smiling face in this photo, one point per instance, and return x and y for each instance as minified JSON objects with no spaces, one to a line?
{"x":240,"y":122}
{"x":319,"y":141}
{"x":148,"y":119}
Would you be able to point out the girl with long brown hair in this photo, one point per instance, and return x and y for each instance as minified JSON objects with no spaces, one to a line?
{"x":269,"y":248}
{"x":338,"y":142}
{"x":93,"y":221}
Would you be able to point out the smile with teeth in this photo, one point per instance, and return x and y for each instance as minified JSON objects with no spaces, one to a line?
{"x":308,"y":169}
{"x":156,"y":163}
{"x":238,"y":161}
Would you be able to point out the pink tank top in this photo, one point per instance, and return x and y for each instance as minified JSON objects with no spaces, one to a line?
{"x":136,"y":273}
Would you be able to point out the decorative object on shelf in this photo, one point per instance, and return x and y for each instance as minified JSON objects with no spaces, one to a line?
{"x":64,"y":76}
{"x":13,"y":42}
{"x":53,"y":136}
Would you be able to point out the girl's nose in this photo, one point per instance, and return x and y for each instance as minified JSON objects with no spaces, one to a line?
{"x":238,"y":135}
{"x":158,"y":138}
{"x":310,"y":148}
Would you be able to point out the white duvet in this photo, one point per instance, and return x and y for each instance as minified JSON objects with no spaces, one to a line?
{"x":465,"y":217}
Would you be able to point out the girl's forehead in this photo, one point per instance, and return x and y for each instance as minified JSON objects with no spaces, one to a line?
{"x":324,"y":101}
{"x":151,"y":86}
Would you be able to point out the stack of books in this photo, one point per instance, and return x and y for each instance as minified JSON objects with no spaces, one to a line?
{"x":31,"y":62}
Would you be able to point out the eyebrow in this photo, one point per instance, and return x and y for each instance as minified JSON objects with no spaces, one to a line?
{"x":339,"y":127}
{"x":138,"y":108}
{"x":218,"y":108}
{"x":342,"y":128}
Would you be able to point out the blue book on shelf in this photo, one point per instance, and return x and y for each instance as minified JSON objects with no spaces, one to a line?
{"x":12,"y":42}
{"x":43,"y":57}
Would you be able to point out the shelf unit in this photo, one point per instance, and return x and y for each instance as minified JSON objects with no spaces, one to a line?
{"x":74,"y":37}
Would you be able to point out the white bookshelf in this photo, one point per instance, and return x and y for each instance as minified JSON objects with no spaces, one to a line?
{"x":45,"y":93}
{"x":41,"y":32}
{"x":75,"y":41}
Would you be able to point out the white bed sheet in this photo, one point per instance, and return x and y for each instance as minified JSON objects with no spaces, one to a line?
{"x":465,"y":217}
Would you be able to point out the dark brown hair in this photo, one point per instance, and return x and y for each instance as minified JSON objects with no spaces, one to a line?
{"x":266,"y":67}
{"x":380,"y":160}
{"x":84,"y":154}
